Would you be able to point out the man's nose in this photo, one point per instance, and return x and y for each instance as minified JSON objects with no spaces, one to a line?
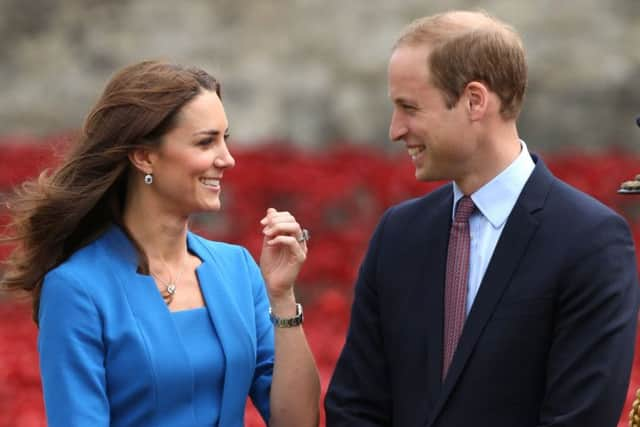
{"x":397,"y":127}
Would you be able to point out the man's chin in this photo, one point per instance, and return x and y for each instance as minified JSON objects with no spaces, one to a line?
{"x":423,"y":175}
{"x":428,"y":176}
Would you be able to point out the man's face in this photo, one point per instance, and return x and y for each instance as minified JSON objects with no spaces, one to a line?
{"x":437,"y":138}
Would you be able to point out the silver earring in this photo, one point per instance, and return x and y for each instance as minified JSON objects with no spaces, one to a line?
{"x":148,"y":179}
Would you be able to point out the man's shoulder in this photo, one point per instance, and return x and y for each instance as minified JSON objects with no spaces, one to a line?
{"x":562,"y":197}
{"x":571,"y":200}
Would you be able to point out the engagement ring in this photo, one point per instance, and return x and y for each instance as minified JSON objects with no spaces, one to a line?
{"x":305,"y":236}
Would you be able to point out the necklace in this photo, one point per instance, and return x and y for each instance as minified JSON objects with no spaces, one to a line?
{"x":171,"y":286}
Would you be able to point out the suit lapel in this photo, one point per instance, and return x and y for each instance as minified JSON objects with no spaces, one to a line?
{"x":510,"y":249}
{"x":432,"y":283}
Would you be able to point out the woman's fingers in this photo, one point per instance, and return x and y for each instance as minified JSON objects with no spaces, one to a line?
{"x":282,"y":223}
{"x":276,"y":216}
{"x":289,"y":228}
{"x":300,"y":250}
{"x":278,"y":219}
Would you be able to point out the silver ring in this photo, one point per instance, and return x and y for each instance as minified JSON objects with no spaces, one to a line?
{"x":305,"y":236}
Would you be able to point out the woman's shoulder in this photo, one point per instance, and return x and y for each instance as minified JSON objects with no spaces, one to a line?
{"x":69,"y":279}
{"x":86,"y":265}
{"x":218,"y":250}
{"x":88,"y":258}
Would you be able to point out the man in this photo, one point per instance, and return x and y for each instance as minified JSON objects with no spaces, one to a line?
{"x":506,"y":298}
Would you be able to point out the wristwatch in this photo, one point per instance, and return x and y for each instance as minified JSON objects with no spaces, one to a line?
{"x":288,"y":322}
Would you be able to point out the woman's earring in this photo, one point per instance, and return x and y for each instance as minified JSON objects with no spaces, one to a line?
{"x":148,"y":179}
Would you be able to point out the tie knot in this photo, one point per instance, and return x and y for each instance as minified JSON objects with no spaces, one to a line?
{"x":464,"y":209}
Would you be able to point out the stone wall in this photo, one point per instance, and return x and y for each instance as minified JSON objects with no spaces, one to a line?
{"x":314,"y":71}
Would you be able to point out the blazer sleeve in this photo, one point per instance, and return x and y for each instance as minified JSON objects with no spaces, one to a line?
{"x":261,"y":384}
{"x":359,"y":391}
{"x":594,"y":331}
{"x":71,"y":354}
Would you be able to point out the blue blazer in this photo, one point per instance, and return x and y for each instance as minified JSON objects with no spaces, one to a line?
{"x":549,"y":340}
{"x":108,"y":345}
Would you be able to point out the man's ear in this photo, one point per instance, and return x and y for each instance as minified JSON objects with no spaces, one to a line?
{"x":141,"y":159}
{"x":477,"y":98}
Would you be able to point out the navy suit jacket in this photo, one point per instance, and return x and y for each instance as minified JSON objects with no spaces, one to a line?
{"x":111,"y":355}
{"x":549,"y":339}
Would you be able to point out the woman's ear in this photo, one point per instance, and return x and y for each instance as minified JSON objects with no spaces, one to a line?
{"x":477,"y":100}
{"x":140,"y":158}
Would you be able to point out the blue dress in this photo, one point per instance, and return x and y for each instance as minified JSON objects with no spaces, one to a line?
{"x":206,"y":359}
{"x":112,"y":354}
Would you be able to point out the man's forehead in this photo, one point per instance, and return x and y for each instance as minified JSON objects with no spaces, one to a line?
{"x":409,"y":65}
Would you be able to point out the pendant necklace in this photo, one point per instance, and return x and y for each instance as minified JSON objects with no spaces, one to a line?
{"x":171,"y":286}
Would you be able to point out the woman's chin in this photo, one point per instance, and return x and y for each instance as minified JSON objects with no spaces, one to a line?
{"x":212,"y":207}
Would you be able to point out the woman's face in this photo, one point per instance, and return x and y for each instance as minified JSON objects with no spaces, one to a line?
{"x":189,"y":164}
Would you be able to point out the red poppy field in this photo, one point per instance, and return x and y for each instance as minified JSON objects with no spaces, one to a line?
{"x":337,"y":193}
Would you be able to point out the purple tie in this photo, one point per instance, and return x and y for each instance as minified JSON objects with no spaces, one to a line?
{"x":455,"y":293}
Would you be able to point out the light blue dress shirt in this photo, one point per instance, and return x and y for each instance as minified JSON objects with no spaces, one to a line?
{"x":494,"y":202}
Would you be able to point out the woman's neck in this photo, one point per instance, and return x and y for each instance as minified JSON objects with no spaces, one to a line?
{"x":161,"y":235}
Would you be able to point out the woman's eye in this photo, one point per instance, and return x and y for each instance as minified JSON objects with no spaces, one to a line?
{"x":226,"y":136}
{"x":206,"y":141}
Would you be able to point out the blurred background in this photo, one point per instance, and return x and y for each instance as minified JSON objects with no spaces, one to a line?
{"x":304,"y":86}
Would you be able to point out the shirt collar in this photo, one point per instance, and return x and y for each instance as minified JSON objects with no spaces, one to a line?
{"x":496,"y":198}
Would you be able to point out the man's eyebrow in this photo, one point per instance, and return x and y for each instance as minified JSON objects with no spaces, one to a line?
{"x":401,"y":100}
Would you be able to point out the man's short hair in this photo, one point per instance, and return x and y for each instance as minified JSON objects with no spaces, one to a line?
{"x":472,"y":46}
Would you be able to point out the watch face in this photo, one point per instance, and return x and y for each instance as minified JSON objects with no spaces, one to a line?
{"x":288,"y":322}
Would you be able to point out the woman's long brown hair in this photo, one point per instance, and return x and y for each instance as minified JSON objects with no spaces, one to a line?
{"x":58,"y":213}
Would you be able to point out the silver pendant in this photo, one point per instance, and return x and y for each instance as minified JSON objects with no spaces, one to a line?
{"x":171,"y":289}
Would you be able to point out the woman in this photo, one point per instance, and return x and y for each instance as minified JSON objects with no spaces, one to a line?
{"x":141,"y":322}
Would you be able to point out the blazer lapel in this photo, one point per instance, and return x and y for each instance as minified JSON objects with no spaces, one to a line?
{"x":518,"y":231}
{"x":237,"y":345}
{"x":155,"y":322}
{"x":163,"y":339}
